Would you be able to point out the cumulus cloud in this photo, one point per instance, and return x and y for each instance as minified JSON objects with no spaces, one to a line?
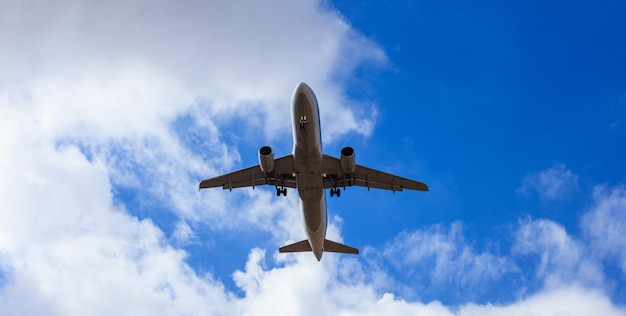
{"x":113,"y":77}
{"x":605,"y":224}
{"x":566,"y":301}
{"x":551,"y":184}
{"x":124,"y":66}
{"x":107,"y":103}
{"x":66,"y":249}
{"x":313,"y":289}
{"x":93,"y":103}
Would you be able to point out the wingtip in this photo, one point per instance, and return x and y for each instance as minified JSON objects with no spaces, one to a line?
{"x":203,"y":185}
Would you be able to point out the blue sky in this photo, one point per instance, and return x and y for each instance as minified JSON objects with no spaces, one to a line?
{"x":513,"y":114}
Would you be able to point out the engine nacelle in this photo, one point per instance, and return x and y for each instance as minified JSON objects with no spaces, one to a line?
{"x":347,"y":160}
{"x":266,"y":159}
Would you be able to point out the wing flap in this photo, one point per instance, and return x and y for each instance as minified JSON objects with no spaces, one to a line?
{"x":229,"y":179}
{"x":286,"y":182}
{"x":253,"y":176}
{"x":365,"y":177}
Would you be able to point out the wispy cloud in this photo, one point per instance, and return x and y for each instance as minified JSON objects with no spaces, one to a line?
{"x":440,"y":257}
{"x":605,"y":224}
{"x":563,"y":260}
{"x":91,"y":94}
{"x":551,"y":184}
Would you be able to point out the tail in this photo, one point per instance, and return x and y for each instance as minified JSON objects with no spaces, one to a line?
{"x":329,"y":246}
{"x":300,"y":246}
{"x":332,"y":246}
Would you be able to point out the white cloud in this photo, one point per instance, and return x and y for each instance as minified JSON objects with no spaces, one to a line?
{"x":565,"y":301}
{"x":124,"y":66}
{"x":451,"y":258}
{"x":551,"y":184}
{"x":87,"y":255}
{"x":183,"y":233}
{"x":105,"y":80}
{"x":605,"y":224}
{"x":438,"y":258}
{"x":67,"y":249}
{"x":309,"y":288}
{"x":563,"y":260}
{"x":89,"y":93}
{"x":112,"y":77}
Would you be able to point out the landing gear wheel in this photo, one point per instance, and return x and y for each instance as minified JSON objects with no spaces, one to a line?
{"x":334,"y":192}
{"x":285,"y":192}
{"x":280,"y":191}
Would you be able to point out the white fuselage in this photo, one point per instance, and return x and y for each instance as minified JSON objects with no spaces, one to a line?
{"x":307,"y":153}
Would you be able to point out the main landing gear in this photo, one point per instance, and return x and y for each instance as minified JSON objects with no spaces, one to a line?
{"x":334,"y":192}
{"x":280,"y":191}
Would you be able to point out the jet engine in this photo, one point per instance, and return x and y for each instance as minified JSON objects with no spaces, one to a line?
{"x":266,"y":159}
{"x":347,"y":160}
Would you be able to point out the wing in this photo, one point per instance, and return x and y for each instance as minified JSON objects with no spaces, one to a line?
{"x":365,"y":177}
{"x":253,"y":176}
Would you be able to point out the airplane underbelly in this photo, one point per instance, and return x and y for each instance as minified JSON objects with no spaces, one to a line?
{"x":315,"y":222}
{"x":311,"y":190}
{"x":313,"y":215}
{"x":309,"y":180}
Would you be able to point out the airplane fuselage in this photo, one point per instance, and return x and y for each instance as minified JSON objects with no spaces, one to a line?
{"x":308,"y":154}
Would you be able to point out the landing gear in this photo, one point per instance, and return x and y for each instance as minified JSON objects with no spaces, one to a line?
{"x":302,"y":121}
{"x":280,"y":191}
{"x":334,"y":192}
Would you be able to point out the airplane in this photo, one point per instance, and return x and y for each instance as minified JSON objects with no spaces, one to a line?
{"x":310,"y":171}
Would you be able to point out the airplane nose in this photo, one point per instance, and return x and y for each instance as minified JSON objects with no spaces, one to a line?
{"x":303,"y":88}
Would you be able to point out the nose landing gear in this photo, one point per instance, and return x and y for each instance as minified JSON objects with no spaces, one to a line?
{"x":302,"y":121}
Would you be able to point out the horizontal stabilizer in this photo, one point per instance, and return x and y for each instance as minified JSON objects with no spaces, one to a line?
{"x":332,"y":246}
{"x":329,"y":246}
{"x":301,"y":246}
